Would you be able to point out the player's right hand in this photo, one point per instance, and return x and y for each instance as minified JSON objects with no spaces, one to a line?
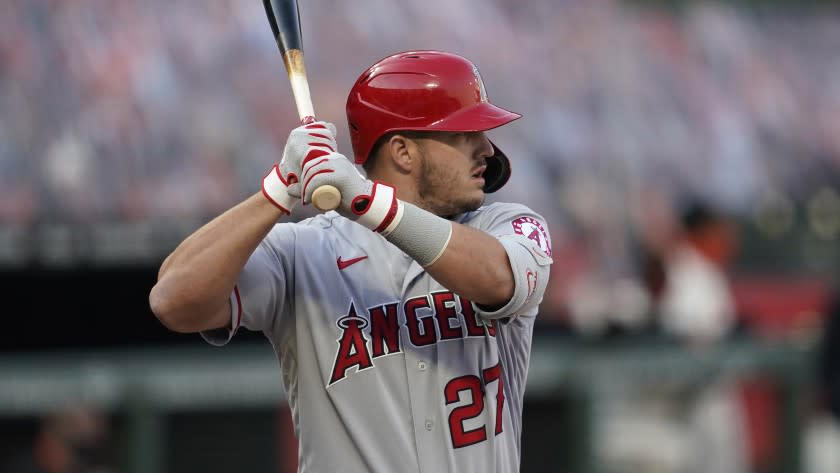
{"x":372,"y":204}
{"x":281,"y":185}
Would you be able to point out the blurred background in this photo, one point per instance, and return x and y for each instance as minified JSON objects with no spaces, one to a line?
{"x":685,"y":153}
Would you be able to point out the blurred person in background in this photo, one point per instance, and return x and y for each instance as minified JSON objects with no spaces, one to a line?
{"x":696,"y":305}
{"x":829,"y":358}
{"x":671,"y":427}
{"x":822,"y":435}
{"x":697,"y":309}
{"x":72,"y":440}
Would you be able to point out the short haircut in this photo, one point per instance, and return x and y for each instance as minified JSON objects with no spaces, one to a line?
{"x":374,"y":150}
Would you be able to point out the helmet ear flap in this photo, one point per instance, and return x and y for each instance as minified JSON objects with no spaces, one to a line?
{"x":498,"y":170}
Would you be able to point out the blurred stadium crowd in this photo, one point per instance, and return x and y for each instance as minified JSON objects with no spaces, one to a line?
{"x":158,"y":112}
{"x":124,"y":110}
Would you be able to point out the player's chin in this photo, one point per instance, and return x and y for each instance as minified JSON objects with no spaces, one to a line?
{"x":473,"y":202}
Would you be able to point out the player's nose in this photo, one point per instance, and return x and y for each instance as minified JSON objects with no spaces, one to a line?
{"x":485,"y":147}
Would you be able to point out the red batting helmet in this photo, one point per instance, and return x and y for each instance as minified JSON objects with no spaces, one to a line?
{"x":424,"y":91}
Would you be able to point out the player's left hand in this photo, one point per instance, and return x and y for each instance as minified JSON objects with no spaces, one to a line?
{"x":281,"y":185}
{"x":305,"y":143}
{"x":372,"y":204}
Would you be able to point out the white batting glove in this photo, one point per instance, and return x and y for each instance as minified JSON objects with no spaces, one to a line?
{"x":281,"y":185}
{"x":372,"y":204}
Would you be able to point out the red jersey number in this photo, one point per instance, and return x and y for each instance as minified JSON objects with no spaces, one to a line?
{"x":473,"y":385}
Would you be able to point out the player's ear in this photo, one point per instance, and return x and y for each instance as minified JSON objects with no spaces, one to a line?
{"x":403,"y":152}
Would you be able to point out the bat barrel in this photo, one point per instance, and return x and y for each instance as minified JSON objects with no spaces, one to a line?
{"x":284,"y":18}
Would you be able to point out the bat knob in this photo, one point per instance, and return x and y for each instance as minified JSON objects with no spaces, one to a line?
{"x":326,"y":198}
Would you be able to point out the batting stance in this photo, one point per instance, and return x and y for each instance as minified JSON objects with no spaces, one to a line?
{"x":402,"y":321}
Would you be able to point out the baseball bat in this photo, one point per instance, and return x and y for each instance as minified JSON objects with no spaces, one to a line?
{"x":284,"y":18}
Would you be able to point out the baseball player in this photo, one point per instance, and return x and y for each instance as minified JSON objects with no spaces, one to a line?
{"x":402,"y":321}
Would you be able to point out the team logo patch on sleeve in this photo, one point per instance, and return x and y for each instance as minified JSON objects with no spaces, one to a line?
{"x":534,"y":231}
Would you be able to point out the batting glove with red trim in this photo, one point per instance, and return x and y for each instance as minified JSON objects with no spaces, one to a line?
{"x":372,"y":204}
{"x":281,"y":185}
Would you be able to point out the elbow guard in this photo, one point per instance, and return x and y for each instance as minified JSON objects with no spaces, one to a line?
{"x":530,"y":266}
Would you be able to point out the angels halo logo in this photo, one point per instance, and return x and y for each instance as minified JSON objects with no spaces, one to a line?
{"x":533,"y":230}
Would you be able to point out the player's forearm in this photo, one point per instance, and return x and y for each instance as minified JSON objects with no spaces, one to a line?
{"x":465,"y":260}
{"x":195,"y":281}
{"x":475,"y":265}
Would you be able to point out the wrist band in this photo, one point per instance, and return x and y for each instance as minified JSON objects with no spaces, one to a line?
{"x":275,"y":189}
{"x":420,"y":234}
{"x":377,"y":210}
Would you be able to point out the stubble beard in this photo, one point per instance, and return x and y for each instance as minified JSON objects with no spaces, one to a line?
{"x":438,"y":189}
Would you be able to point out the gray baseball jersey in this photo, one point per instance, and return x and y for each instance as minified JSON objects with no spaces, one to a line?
{"x":386,"y":370}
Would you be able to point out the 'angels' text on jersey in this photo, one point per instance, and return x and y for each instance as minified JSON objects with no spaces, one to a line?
{"x":429,"y":319}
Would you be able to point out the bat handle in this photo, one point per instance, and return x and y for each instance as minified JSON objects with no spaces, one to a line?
{"x":326,"y":197}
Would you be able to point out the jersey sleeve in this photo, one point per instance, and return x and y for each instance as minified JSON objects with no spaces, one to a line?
{"x":262,"y":288}
{"x":524,"y":235}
